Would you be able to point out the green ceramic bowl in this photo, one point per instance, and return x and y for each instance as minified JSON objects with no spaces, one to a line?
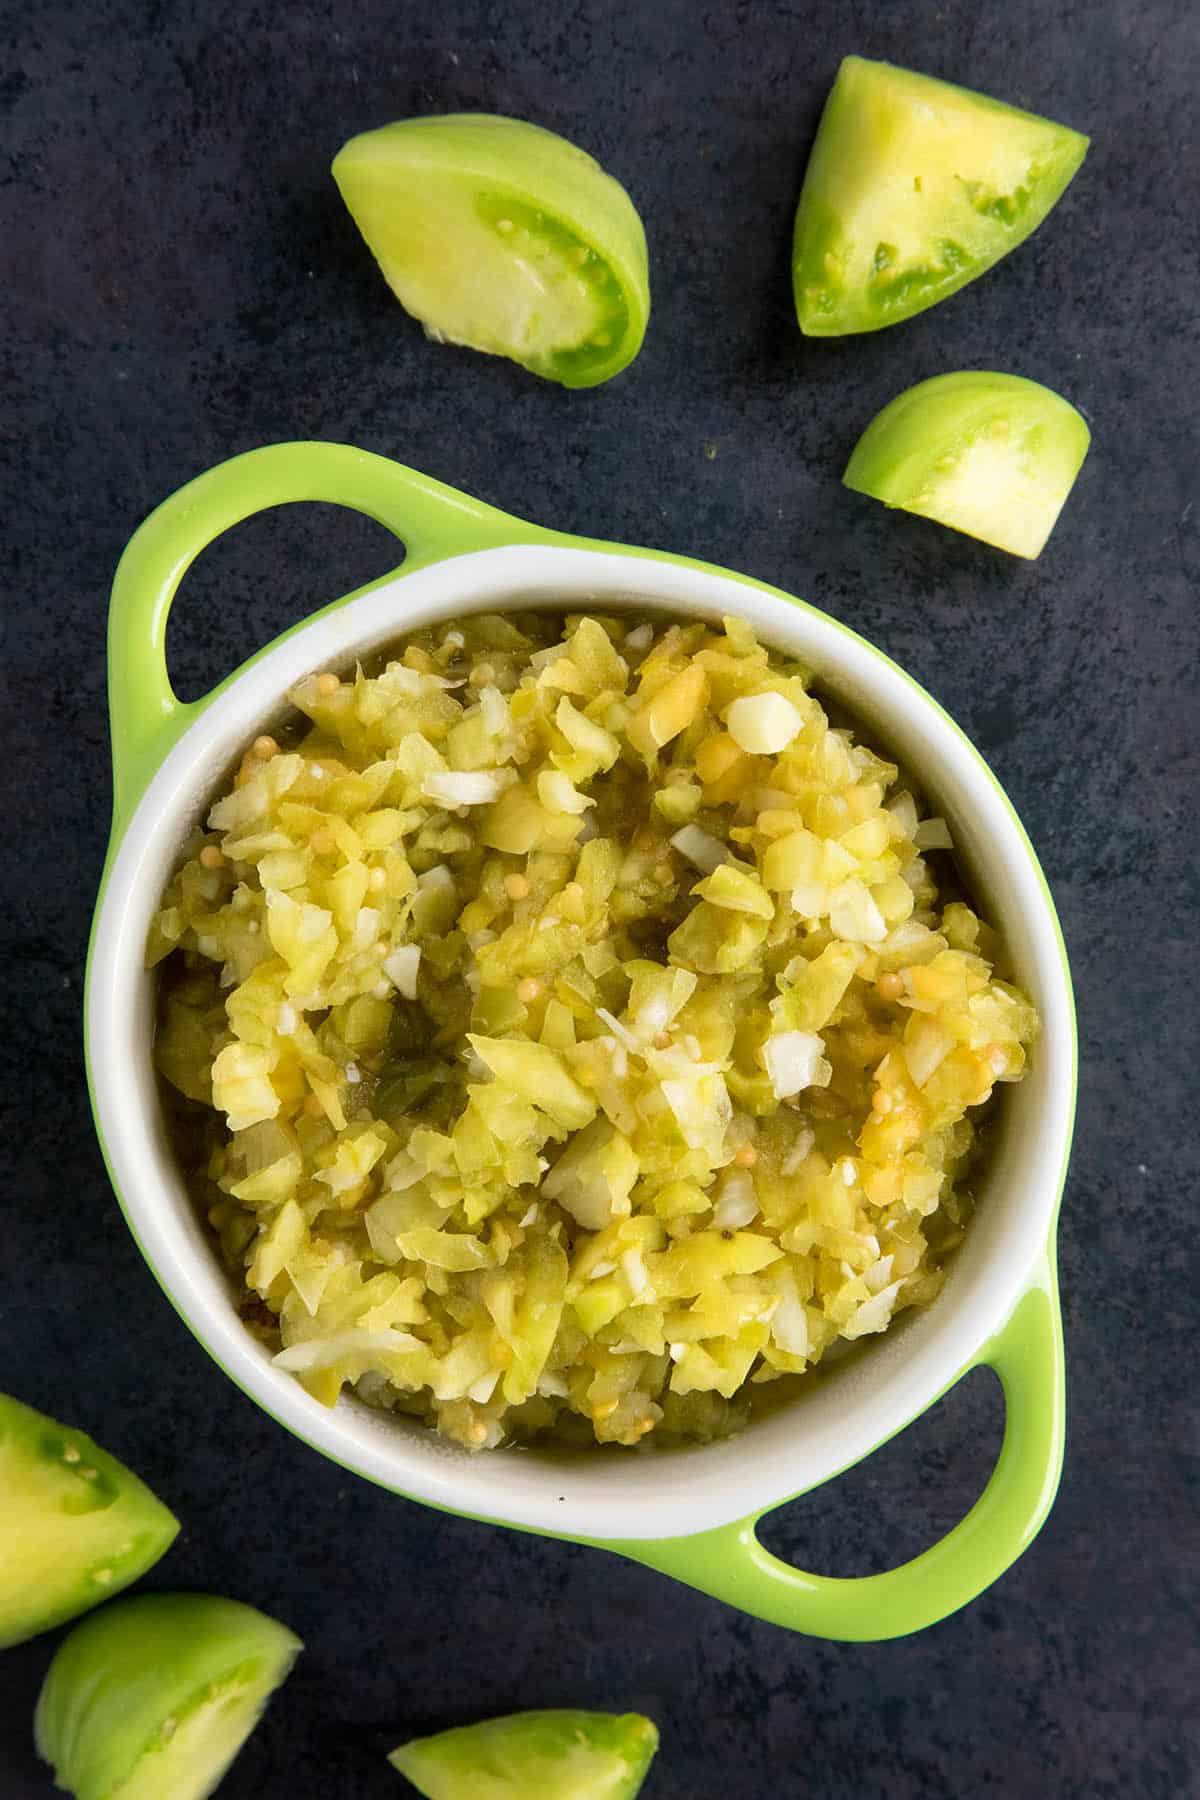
{"x":691,"y":1513}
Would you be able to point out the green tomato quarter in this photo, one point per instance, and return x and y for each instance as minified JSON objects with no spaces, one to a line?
{"x":914,"y":187}
{"x":567,"y":1755}
{"x":504,"y":237}
{"x":153,"y":1697}
{"x":77,"y":1525}
{"x":992,"y":455}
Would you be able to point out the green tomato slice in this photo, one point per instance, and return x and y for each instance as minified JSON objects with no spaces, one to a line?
{"x":77,"y":1525}
{"x":569,"y":1755}
{"x":155,"y":1696}
{"x":992,"y":455}
{"x":504,"y":237}
{"x":914,"y":187}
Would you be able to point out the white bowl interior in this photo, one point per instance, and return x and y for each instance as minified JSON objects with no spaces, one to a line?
{"x":847,"y":1411}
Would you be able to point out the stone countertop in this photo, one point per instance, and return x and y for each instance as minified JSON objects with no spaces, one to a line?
{"x":182,"y":283}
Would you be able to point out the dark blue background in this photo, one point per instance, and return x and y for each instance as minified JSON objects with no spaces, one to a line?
{"x":182,"y":283}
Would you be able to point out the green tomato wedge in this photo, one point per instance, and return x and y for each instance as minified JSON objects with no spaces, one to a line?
{"x":565,"y":1755}
{"x":992,"y":455}
{"x":77,"y":1525}
{"x":153,"y":1697}
{"x":914,"y":188}
{"x":504,"y":237}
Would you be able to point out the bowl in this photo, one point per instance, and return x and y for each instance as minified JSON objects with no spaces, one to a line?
{"x":689,"y":1512}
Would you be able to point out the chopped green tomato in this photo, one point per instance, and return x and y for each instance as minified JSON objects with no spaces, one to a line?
{"x":526,"y":1130}
{"x":156,"y":1695}
{"x":992,"y":455}
{"x":504,"y":237}
{"x":561,"y":1755}
{"x":78,"y":1526}
{"x":914,"y":188}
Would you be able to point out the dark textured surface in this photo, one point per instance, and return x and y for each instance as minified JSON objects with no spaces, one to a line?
{"x":182,"y":283}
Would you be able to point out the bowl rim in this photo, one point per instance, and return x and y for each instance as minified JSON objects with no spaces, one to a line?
{"x":685,"y":1491}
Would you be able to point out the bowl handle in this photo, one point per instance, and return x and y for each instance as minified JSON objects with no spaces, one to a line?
{"x":433,"y":520}
{"x":732,"y":1565}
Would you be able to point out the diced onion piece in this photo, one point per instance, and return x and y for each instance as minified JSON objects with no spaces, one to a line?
{"x":634,"y":1270}
{"x":913,"y":940}
{"x":933,"y":834}
{"x":879,"y":1274}
{"x":733,"y":888}
{"x":584,"y":735}
{"x":799,"y":1153}
{"x":874,"y":1314}
{"x":621,"y":1032}
{"x":700,"y":848}
{"x":671,"y":710}
{"x":463,"y":787}
{"x":737,"y":1203}
{"x":701,"y":1105}
{"x":400,"y":679}
{"x":401,"y":968}
{"x":794,"y":1061}
{"x":493,"y":709}
{"x":656,"y":996}
{"x":354,"y":1158}
{"x":314,"y":923}
{"x":593,"y":1177}
{"x":789,"y":1321}
{"x":366,"y":927}
{"x":810,"y":899}
{"x":763,"y":724}
{"x":482,"y":1390}
{"x":854,"y":916}
{"x":867,"y":841}
{"x":558,"y":793}
{"x":242,"y":1087}
{"x":915,"y":873}
{"x":903,"y":809}
{"x":321,"y":1353}
{"x":927,"y":1050}
{"x":403,"y":1172}
{"x":537,"y":1074}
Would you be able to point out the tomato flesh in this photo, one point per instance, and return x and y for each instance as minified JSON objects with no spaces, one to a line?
{"x":503,"y":237}
{"x":914,"y":188}
{"x":990,"y":455}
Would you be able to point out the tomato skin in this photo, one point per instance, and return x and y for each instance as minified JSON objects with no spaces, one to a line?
{"x":914,"y":188}
{"x":984,"y":453}
{"x":534,"y":1753}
